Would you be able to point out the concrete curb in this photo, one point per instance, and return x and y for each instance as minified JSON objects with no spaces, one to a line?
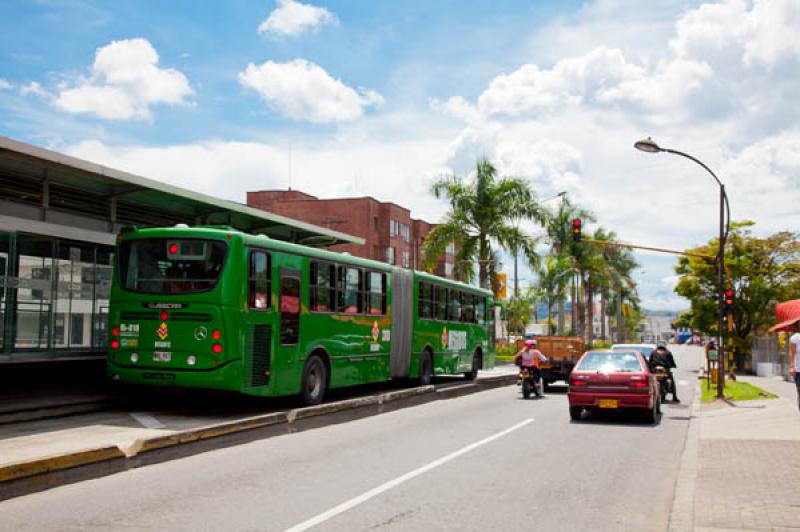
{"x":36,"y":475}
{"x":681,"y":517}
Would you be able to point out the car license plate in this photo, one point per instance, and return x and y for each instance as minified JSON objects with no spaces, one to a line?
{"x":608,"y":403}
{"x":162,"y":356}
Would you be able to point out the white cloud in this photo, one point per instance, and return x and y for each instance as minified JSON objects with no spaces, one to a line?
{"x":294,"y":18}
{"x":34,"y":88}
{"x":302,"y":90}
{"x":125,"y":81}
{"x":5,"y":85}
{"x":720,"y":87}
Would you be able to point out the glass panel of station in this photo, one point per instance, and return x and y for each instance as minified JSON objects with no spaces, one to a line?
{"x":54,"y":295}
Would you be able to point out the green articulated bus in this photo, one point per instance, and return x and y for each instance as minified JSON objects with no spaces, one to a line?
{"x":214,"y":308}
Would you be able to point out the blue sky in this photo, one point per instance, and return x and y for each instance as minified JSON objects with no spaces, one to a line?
{"x":369,"y":95}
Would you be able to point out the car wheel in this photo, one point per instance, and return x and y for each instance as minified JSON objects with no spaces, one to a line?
{"x":658,"y":405}
{"x":473,"y":373}
{"x":651,"y":415}
{"x":315,"y":381}
{"x":425,"y":369}
{"x":575,"y":413}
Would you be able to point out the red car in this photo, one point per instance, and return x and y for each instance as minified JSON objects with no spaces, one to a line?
{"x":613,"y":380}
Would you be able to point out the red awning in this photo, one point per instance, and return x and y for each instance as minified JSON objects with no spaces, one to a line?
{"x":786,"y":314}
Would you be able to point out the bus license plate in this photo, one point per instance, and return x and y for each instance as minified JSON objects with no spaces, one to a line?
{"x":608,"y":403}
{"x":162,"y":356}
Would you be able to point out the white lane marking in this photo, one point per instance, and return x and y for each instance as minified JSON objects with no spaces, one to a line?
{"x":355,"y":501}
{"x":683,"y":383}
{"x":147,"y":421}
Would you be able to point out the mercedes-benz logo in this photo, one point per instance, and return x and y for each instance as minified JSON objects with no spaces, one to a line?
{"x":200,"y":333}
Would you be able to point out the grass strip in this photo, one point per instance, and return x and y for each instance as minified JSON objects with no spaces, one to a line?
{"x":734,"y":391}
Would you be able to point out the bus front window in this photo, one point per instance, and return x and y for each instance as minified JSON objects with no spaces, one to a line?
{"x":171,"y":266}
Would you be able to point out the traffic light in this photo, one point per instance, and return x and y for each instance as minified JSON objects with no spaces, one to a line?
{"x":576,"y":229}
{"x":728,"y":301}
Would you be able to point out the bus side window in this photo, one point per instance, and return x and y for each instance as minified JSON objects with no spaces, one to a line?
{"x":454,"y":312}
{"x":260,"y":281}
{"x":350,"y":290}
{"x":425,"y":302}
{"x":469,"y":309}
{"x":322,"y":287}
{"x":481,"y":310}
{"x":376,"y":293}
{"x":441,"y":303}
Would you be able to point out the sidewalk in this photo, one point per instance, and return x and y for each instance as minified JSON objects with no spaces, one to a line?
{"x":746,"y":463}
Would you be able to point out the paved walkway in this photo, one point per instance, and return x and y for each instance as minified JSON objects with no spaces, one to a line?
{"x":746,"y":463}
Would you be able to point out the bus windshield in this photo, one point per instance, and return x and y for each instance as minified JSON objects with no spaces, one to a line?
{"x":171,"y":265}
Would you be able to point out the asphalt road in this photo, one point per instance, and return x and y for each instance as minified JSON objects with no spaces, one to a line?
{"x":487,"y":461}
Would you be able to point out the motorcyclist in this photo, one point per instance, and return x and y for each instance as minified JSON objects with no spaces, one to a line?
{"x":662,"y":356}
{"x":530,"y":357}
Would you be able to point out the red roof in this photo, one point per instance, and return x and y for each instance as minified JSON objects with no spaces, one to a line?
{"x":786,"y":315}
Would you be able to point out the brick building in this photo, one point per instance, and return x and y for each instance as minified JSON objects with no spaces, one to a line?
{"x":391,"y":235}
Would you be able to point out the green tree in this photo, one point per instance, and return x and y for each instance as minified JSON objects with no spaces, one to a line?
{"x":484,"y":217}
{"x":761,"y":271}
{"x":519,"y":310}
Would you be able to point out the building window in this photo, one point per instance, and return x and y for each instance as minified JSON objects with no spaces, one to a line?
{"x":448,"y":269}
{"x":322,"y":287}
{"x":404,"y":232}
{"x":394,"y":228}
{"x":390,"y":255}
{"x":406,"y":259}
{"x":375,"y":222}
{"x":450,"y":250}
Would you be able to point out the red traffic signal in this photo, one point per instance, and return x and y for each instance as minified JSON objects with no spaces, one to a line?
{"x":576,"y":229}
{"x":728,"y":300}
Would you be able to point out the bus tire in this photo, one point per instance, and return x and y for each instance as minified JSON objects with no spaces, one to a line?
{"x":425,"y":368}
{"x":315,"y":381}
{"x":472,"y":374}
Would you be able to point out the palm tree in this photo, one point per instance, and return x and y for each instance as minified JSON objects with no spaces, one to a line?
{"x":552,"y":285}
{"x":482,"y":219}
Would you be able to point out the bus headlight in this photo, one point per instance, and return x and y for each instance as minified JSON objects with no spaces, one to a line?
{"x":191,"y":360}
{"x":134,"y":357}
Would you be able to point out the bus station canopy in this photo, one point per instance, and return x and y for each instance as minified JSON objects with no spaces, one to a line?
{"x":46,"y":179}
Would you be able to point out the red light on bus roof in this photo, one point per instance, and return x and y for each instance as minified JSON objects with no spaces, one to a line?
{"x":173,"y":248}
{"x":217,"y":348}
{"x":115,"y":331}
{"x":163,"y":315}
{"x":115,"y":344}
{"x":216,"y":334}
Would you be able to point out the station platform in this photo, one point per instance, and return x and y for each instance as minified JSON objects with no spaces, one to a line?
{"x":41,"y":390}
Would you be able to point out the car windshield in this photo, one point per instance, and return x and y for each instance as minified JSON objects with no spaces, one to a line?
{"x":610,"y":361}
{"x":643,"y":349}
{"x":171,"y":265}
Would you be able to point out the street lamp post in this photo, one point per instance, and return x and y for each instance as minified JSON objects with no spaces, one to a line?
{"x":649,"y":145}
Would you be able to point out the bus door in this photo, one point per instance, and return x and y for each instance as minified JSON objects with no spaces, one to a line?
{"x":260,"y":320}
{"x":289,"y":307}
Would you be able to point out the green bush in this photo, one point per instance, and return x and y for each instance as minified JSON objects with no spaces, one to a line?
{"x":505,"y":352}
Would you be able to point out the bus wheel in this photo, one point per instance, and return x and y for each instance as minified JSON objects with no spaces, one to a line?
{"x":473,"y":373}
{"x":315,"y":381}
{"x":425,"y":369}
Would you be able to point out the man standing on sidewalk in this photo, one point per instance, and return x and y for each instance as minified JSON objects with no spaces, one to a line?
{"x":794,"y":357}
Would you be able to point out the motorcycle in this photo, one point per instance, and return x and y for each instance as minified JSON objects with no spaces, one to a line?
{"x":530,"y":382}
{"x":664,"y":382}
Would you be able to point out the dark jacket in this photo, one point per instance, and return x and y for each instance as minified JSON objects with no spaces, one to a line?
{"x":662,"y":358}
